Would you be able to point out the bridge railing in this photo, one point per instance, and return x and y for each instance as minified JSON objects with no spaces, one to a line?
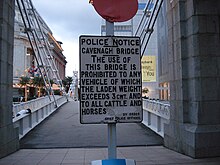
{"x":32,"y":104}
{"x":155,"y":115}
{"x":40,"y":109}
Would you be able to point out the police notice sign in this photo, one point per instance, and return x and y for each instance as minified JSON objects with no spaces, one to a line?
{"x":110,"y":79}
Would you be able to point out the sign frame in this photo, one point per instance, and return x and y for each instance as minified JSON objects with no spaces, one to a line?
{"x":92,"y":63}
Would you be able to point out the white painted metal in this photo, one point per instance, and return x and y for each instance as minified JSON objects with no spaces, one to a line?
{"x":40,"y":110}
{"x":112,"y":135}
{"x":155,"y":115}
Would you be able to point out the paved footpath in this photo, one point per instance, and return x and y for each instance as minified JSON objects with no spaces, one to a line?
{"x":144,"y":155}
{"x":63,"y":129}
{"x":61,"y":135}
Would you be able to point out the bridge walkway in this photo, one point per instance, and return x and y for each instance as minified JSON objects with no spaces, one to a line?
{"x":62,"y":140}
{"x":63,"y":130}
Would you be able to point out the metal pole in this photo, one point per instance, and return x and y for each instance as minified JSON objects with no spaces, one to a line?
{"x":112,"y":149}
{"x":109,"y":28}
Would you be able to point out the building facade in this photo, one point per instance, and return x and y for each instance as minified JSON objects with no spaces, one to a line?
{"x":163,"y":60}
{"x":25,"y":63}
{"x":23,"y":53}
{"x":59,"y":58}
{"x":189,"y":60}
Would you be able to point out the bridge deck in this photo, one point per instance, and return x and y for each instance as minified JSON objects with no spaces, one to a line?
{"x":63,"y":130}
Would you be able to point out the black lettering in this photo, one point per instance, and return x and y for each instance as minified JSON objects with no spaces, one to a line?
{"x":135,"y":103}
{"x":94,"y":96}
{"x":134,"y":95}
{"x":126,"y":42}
{"x":114,"y":59}
{"x":98,"y":74}
{"x":130,"y":81}
{"x":94,"y":82}
{"x":128,"y":51}
{"x":93,"y":111}
{"x":135,"y":74}
{"x":120,"y":118}
{"x":87,"y":88}
{"x":119,"y":96}
{"x":96,"y":50}
{"x":109,"y":118}
{"x":92,"y":66}
{"x":129,"y":88}
{"x":96,"y":104}
{"x":115,"y":103}
{"x":115,"y":66}
{"x":95,"y":41}
{"x":133,"y":118}
{"x":106,"y":88}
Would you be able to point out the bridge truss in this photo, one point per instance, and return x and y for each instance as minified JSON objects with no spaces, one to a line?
{"x":147,"y":22}
{"x":38,"y":33}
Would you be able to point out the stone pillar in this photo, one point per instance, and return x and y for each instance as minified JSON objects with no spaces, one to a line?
{"x":9,"y":141}
{"x":194,"y":67}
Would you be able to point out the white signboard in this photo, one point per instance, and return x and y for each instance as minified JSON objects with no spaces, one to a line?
{"x":110,"y":79}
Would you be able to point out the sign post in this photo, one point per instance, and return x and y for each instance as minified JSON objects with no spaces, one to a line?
{"x":110,"y":79}
{"x":118,"y":82}
{"x":110,"y":82}
{"x":112,"y":138}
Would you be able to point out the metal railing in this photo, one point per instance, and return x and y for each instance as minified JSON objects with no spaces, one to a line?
{"x":40,"y":109}
{"x":155,"y":115}
{"x":32,"y":104}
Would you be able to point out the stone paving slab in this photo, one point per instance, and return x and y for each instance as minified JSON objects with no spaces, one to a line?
{"x":145,"y":155}
{"x":63,"y":130}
